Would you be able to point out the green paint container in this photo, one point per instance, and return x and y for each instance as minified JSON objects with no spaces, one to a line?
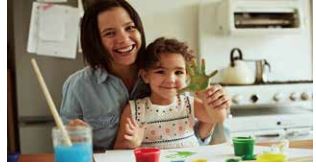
{"x":244,"y":147}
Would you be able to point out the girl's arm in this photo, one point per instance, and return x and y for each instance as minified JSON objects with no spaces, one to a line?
{"x":130,"y":135}
{"x":207,"y":123}
{"x":210,"y":108}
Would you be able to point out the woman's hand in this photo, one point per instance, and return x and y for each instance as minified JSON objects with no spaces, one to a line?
{"x":134,"y":133}
{"x":216,"y":102}
{"x":216,"y":98}
{"x":77,"y":122}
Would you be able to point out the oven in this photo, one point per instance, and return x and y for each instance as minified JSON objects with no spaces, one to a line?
{"x":272,"y":111}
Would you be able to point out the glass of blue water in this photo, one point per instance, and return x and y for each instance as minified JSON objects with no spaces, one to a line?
{"x":81,"y":148}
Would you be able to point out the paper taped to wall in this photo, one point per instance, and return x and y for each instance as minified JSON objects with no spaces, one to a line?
{"x":52,"y":24}
{"x":53,"y":30}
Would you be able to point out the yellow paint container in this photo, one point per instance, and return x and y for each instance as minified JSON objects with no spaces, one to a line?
{"x":199,"y":160}
{"x":271,"y":157}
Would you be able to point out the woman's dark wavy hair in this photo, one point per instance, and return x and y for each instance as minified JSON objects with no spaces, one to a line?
{"x":165,"y":45}
{"x":92,"y":49}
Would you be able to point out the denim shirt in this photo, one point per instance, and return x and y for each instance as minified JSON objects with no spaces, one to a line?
{"x":98,"y":98}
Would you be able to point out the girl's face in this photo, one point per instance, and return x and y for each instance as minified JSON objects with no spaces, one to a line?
{"x":119,"y":36}
{"x":166,"y":77}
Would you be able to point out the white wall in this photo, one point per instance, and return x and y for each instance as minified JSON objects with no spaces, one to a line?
{"x":169,"y":18}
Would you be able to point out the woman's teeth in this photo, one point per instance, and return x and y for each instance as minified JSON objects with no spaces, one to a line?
{"x":127,"y":49}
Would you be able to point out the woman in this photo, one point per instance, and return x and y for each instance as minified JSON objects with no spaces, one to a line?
{"x":113,"y":42}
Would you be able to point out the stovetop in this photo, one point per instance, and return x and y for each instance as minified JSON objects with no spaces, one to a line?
{"x":271,"y":83}
{"x":271,"y":93}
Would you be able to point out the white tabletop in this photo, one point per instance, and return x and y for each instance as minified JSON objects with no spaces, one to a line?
{"x":212,"y":153}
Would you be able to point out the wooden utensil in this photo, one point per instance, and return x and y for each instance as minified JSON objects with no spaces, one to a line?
{"x":50,"y":102}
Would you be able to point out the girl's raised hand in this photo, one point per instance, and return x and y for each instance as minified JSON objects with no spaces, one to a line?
{"x":134,"y":133}
{"x":199,"y":80}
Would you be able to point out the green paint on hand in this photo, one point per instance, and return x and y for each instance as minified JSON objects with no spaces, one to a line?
{"x":198,"y":78}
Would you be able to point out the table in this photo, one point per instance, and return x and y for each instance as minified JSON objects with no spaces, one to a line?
{"x":49,"y":157}
{"x":41,"y":157}
{"x":306,"y":144}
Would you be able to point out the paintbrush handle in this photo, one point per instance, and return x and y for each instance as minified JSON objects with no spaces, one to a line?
{"x":50,"y":102}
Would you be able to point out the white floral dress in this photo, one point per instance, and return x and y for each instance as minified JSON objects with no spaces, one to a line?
{"x":167,"y":126}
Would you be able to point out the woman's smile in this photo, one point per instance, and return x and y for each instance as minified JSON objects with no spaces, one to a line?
{"x":125,"y":50}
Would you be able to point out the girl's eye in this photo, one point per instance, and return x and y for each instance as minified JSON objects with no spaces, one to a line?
{"x":179,"y":72}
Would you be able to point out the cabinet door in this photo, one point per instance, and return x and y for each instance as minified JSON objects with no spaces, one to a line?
{"x":36,"y":138}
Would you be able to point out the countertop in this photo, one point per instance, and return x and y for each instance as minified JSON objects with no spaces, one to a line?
{"x":49,"y":157}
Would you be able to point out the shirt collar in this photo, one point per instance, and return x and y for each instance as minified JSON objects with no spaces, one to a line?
{"x":101,"y":75}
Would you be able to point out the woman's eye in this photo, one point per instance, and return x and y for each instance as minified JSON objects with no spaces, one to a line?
{"x":108,"y":34}
{"x":130,"y":28}
{"x":159,"y":72}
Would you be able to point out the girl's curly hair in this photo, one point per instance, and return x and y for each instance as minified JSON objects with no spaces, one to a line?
{"x":165,"y":45}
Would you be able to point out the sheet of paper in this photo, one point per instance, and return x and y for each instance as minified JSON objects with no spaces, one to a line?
{"x":115,"y":156}
{"x":52,"y":23}
{"x":212,"y":153}
{"x":33,"y":35}
{"x":53,"y":30}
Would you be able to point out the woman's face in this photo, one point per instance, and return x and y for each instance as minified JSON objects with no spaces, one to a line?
{"x":119,"y":36}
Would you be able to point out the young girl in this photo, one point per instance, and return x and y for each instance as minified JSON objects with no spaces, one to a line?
{"x":166,"y":119}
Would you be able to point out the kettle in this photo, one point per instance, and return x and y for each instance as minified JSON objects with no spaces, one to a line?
{"x":238,"y":71}
{"x":261,"y":70}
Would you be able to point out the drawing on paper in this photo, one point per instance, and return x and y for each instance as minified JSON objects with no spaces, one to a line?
{"x":179,"y":155}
